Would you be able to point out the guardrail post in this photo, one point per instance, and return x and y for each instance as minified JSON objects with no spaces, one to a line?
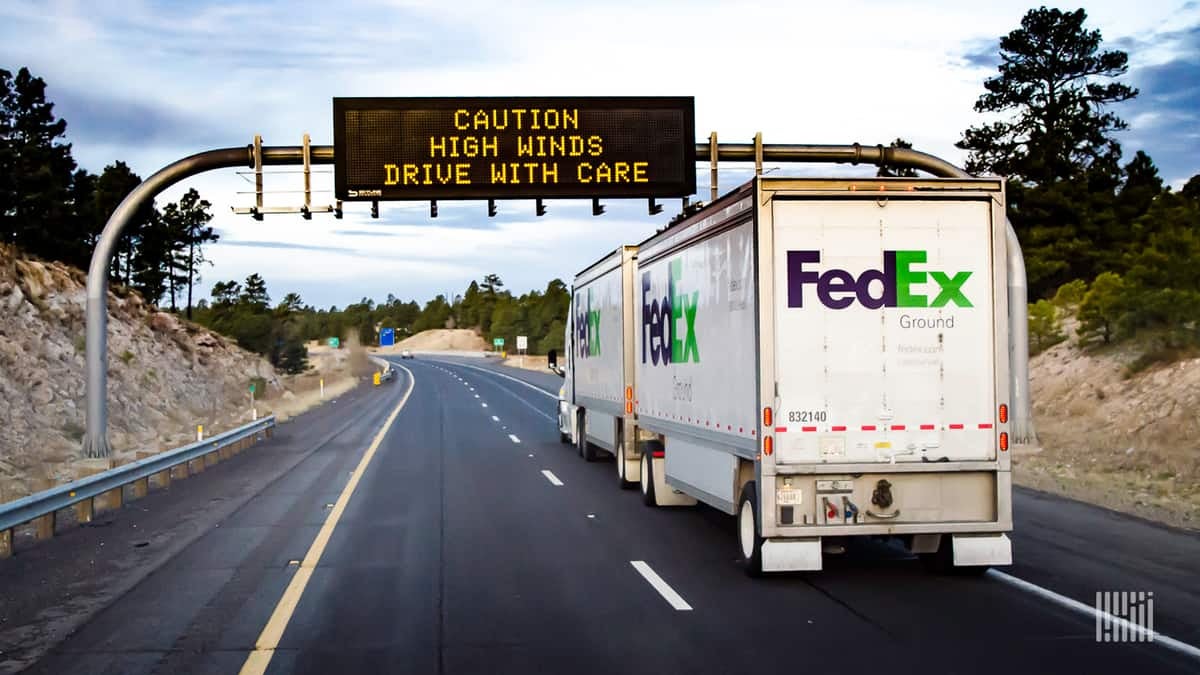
{"x":211,"y":459}
{"x":195,"y":466}
{"x":112,"y":500}
{"x":5,"y":544}
{"x":162,"y":479}
{"x":141,"y":487}
{"x":83,"y":511}
{"x":44,"y":526}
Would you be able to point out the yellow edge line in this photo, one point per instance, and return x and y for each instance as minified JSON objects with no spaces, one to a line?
{"x":264,"y":648}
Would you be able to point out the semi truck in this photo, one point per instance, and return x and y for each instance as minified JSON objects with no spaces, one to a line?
{"x":821,"y":359}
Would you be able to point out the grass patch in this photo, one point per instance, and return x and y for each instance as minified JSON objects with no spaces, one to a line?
{"x":126,"y":356}
{"x":80,"y":344}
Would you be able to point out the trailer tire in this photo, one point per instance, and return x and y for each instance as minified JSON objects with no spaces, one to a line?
{"x":585,"y":449}
{"x":749,"y":541}
{"x":624,"y":484}
{"x":647,"y":482}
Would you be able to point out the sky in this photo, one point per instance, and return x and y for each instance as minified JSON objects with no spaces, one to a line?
{"x":151,"y":82}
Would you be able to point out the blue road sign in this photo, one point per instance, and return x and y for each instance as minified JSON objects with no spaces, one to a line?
{"x":387,"y":337}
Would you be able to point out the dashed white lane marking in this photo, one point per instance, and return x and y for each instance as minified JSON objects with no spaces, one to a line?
{"x":1076,"y":606}
{"x":521,"y":382}
{"x":551,"y":477}
{"x":483,"y":404}
{"x":495,"y":419}
{"x":674,"y":599}
{"x":513,"y":438}
{"x":476,"y":395}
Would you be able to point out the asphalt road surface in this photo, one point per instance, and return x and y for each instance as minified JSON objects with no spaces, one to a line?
{"x":467,"y":539}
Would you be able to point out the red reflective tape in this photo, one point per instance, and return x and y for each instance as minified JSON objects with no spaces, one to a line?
{"x":753,"y":432}
{"x":986,"y":425}
{"x":956,"y":426}
{"x":868,"y":427}
{"x":897,"y":427}
{"x":808,"y":428}
{"x":838,"y":428}
{"x":780,"y":430}
{"x":927,"y":427}
{"x":658,"y":454}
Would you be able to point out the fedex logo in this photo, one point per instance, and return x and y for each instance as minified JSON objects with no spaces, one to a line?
{"x":587,"y":327}
{"x":662,"y":339}
{"x":896,"y":285}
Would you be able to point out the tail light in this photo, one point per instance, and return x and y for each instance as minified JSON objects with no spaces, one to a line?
{"x":1003,"y":413}
{"x":767,"y":416}
{"x":1004,"y":441}
{"x":768,"y":445}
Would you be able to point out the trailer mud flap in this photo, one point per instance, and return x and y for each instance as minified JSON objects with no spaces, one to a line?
{"x":982,"y":549}
{"x":791,"y":555}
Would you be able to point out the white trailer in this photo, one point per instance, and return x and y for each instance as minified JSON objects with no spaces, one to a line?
{"x":829,"y":359}
{"x":595,"y":410}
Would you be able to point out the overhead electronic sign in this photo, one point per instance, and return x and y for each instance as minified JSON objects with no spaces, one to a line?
{"x":513,"y":148}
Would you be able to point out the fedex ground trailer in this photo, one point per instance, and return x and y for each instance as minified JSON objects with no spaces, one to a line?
{"x":595,"y":408}
{"x":827,"y":359}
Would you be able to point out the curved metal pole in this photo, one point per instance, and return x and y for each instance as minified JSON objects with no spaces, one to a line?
{"x":95,"y":442}
{"x":1018,"y":293}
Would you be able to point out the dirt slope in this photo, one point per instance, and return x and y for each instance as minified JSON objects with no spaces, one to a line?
{"x":445,"y":339}
{"x":1127,"y":442}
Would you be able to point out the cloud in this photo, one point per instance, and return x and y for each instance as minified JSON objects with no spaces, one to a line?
{"x":96,"y":117}
{"x":287,"y":246}
{"x":982,"y":54}
{"x":1165,"y":117}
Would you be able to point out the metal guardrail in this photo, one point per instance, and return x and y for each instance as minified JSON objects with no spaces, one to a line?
{"x":48,"y":502}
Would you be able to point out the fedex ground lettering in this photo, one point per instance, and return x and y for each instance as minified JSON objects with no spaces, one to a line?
{"x":901,"y":283}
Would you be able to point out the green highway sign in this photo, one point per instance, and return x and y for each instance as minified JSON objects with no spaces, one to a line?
{"x":335,"y":343}
{"x":497,"y":342}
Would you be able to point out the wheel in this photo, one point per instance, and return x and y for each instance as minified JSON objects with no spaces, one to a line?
{"x":586,"y":450}
{"x":563,"y":438}
{"x":624,"y":484}
{"x":647,"y":482}
{"x":749,"y":541}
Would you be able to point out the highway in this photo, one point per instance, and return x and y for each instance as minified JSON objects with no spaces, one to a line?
{"x":437,"y":525}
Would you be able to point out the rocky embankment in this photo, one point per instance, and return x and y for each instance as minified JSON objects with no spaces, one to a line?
{"x":166,"y":376}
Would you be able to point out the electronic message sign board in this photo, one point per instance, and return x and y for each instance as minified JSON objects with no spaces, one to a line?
{"x":389,"y":149}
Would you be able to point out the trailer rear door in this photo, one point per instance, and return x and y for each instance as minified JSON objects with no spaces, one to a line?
{"x":884,"y":330}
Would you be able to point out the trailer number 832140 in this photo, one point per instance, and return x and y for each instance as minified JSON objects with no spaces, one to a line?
{"x":807,"y":416}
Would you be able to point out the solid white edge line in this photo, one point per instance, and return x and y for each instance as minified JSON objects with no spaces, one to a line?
{"x":513,"y":438}
{"x":495,"y":419}
{"x":552,"y":478}
{"x":664,"y":589}
{"x":1076,"y":606}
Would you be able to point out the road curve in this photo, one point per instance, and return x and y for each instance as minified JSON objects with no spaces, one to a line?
{"x":474,"y":542}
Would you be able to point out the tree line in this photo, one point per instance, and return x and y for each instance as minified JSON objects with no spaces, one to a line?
{"x":1105,"y":241}
{"x":51,"y":208}
{"x":243,"y":311}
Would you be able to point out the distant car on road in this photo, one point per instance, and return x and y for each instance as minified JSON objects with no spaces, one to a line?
{"x":406,"y":354}
{"x":387,"y":375}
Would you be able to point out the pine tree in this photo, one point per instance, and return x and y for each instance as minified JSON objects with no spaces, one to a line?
{"x":1051,"y":85}
{"x":37,"y":167}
